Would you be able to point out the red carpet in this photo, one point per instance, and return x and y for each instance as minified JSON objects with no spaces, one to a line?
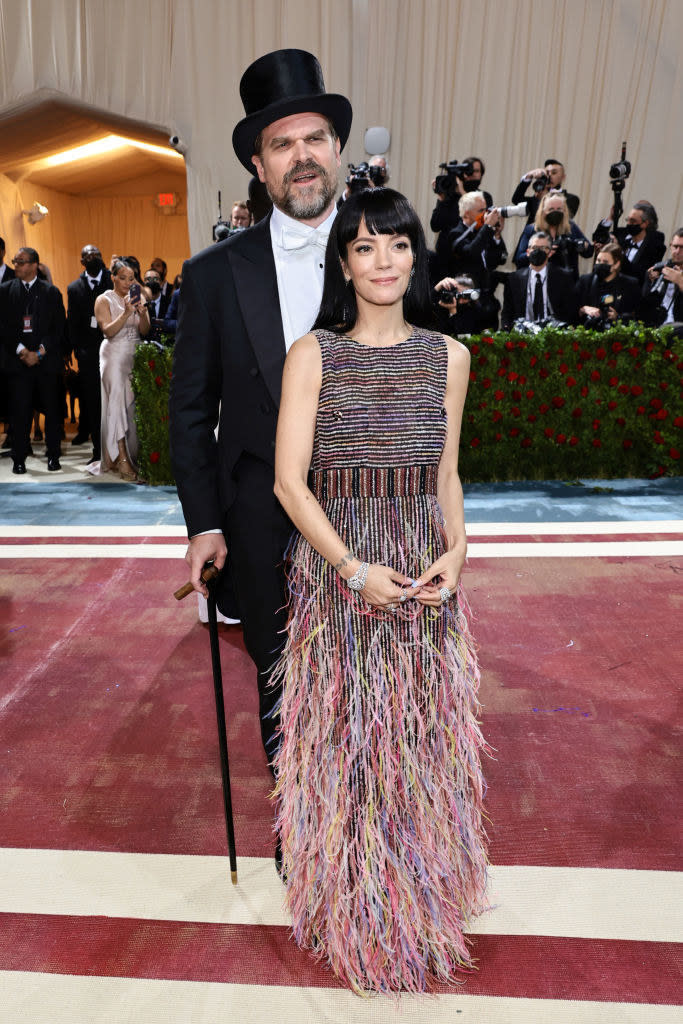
{"x":108,"y":734}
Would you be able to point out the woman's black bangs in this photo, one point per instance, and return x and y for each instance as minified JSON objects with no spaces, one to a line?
{"x":386,"y":212}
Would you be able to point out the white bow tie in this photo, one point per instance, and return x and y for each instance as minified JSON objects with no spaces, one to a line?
{"x":296,"y":240}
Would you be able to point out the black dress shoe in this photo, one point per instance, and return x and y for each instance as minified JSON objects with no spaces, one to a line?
{"x":19,"y":468}
{"x":53,"y":464}
{"x":79,"y":439}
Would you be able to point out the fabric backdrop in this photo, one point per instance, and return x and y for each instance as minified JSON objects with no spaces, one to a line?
{"x":514,"y":82}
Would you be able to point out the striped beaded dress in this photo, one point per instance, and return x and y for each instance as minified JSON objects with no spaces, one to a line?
{"x":379,"y":787}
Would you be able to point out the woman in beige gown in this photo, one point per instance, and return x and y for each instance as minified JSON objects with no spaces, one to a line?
{"x":123,"y":320}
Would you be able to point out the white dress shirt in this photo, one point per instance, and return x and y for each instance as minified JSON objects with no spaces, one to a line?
{"x":668,"y":302}
{"x":531,"y":291}
{"x":299,"y":253}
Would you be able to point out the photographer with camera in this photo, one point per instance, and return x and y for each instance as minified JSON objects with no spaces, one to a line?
{"x":372,"y":173}
{"x":541,"y":291}
{"x":663,"y":289}
{"x":457,"y":306}
{"x":457,"y":179}
{"x":642,"y":243}
{"x":607,"y":295}
{"x":569,"y":242}
{"x":543,"y":180}
{"x":477,"y":248}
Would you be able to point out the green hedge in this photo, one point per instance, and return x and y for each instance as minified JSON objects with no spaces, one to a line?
{"x":152,"y":368}
{"x":556,"y":405}
{"x":566,"y":404}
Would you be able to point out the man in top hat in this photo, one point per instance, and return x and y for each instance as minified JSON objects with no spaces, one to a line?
{"x":244,"y":301}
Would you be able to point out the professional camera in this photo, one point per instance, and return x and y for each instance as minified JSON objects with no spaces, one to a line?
{"x":448,"y":295}
{"x":518,"y":210}
{"x":540,"y":183}
{"x":446,"y":183}
{"x":602,"y":322}
{"x":220,"y":231}
{"x":361,"y":177}
{"x":522,"y":326}
{"x":565,"y":244}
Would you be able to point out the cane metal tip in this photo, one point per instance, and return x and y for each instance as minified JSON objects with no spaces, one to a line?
{"x":233,"y":877}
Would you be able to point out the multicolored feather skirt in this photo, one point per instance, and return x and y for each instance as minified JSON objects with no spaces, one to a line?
{"x":379,"y":785}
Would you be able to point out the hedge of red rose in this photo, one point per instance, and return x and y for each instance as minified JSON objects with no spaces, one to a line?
{"x":152,"y":368}
{"x":556,"y":405}
{"x":565,"y":404}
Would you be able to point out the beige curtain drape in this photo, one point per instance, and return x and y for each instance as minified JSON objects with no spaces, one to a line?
{"x":512,"y":80}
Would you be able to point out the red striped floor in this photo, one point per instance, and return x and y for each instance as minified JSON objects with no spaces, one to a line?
{"x":108,"y":740}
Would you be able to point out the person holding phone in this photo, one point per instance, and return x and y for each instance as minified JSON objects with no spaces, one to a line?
{"x":123,"y":318}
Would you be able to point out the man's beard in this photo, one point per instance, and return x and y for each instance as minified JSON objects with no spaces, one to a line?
{"x":311,"y":200}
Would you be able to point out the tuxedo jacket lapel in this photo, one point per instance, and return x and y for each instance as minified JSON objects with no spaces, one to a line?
{"x":253,"y":269}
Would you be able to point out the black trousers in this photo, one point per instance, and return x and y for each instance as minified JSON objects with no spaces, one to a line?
{"x":257,"y":532}
{"x":90,"y":395}
{"x":48,"y":388}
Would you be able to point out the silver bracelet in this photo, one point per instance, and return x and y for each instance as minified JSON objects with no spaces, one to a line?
{"x":359,"y":578}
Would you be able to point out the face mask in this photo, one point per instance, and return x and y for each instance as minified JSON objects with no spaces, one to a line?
{"x":479,"y":220}
{"x":153,"y":286}
{"x":554,"y":217}
{"x":537,"y":257}
{"x":473,"y":185}
{"x":602,"y":271}
{"x":633,"y":229}
{"x":93,"y":266}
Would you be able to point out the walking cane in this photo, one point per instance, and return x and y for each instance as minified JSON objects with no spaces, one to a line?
{"x":209,"y":576}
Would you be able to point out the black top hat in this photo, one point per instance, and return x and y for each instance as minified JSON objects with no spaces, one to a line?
{"x":279,"y":84}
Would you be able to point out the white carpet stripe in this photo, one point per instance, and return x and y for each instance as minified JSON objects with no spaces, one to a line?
{"x":568,"y":549}
{"x":511,"y":529}
{"x":573,"y":902}
{"x":32,"y":998}
{"x":576,"y":528}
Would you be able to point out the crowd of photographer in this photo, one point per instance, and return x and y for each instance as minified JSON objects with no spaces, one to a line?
{"x":625,"y":276}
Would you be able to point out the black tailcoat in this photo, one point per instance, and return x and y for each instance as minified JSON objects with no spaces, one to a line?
{"x":229,"y":355}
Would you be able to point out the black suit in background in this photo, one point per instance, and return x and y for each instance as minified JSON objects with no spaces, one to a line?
{"x":4,"y":397}
{"x":44,"y":304}
{"x":651,"y":251}
{"x":652,"y":305}
{"x":157,"y":308}
{"x":85,"y":341}
{"x":590,"y":291}
{"x":230,"y":353}
{"x":560,"y":296}
{"x":476,"y":252}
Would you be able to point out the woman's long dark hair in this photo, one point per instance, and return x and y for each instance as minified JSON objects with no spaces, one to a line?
{"x":386,"y":212}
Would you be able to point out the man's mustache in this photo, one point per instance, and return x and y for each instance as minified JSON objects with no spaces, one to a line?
{"x":303,"y":168}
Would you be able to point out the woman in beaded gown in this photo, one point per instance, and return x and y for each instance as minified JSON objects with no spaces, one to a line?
{"x":122,"y":321}
{"x":379,"y":787}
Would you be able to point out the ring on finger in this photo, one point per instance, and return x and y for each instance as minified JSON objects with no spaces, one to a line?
{"x":403,"y":597}
{"x":444,"y":594}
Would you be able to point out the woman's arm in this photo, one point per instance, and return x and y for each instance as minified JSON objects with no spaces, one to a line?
{"x":301,"y":382}
{"x":105,"y":323}
{"x":449,"y":489}
{"x":144,"y":323}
